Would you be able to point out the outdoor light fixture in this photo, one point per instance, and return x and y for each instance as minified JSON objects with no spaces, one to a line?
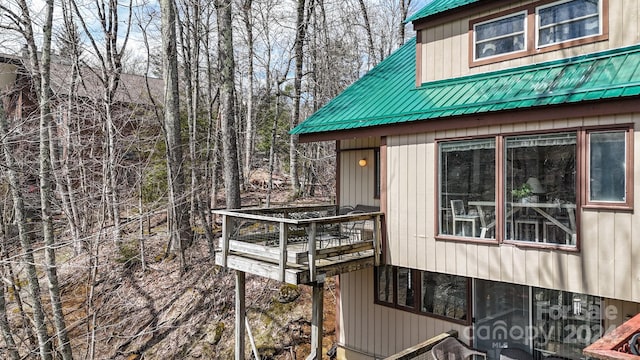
{"x":362,"y":162}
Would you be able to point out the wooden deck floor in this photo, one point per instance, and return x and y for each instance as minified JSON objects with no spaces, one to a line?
{"x":330,"y":260}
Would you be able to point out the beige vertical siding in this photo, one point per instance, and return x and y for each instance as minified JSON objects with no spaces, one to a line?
{"x":445,"y":51}
{"x":617,"y":312}
{"x":378,"y":331}
{"x":606,"y":264}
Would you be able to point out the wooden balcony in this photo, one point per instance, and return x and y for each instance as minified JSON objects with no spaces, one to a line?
{"x":299,"y":245}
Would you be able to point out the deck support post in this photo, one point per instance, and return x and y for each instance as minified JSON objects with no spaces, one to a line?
{"x":284,"y":238}
{"x":312,"y":252}
{"x":377,"y":240}
{"x":226,"y":228}
{"x":316,"y":321}
{"x":240,"y":315}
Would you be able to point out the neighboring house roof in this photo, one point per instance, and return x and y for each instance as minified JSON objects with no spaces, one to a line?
{"x":132,"y":89}
{"x":438,"y":6}
{"x":387,"y":95}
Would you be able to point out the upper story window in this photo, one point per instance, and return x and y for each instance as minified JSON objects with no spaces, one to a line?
{"x":536,"y":28}
{"x":567,"y":20}
{"x":500,"y":36}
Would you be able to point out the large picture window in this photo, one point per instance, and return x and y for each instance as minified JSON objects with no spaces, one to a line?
{"x":424,"y":292}
{"x":467,"y":178}
{"x":540,"y":177}
{"x":568,"y":20}
{"x":540,"y":185}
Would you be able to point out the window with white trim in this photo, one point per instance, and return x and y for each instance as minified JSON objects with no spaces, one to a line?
{"x":500,"y":36}
{"x":567,"y":20}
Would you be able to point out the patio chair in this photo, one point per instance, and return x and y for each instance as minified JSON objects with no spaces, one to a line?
{"x":459,"y":214}
{"x":452,"y":349}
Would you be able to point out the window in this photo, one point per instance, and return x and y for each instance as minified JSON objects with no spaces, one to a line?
{"x":405,"y":287}
{"x":384,"y":284}
{"x":608,"y":166}
{"x":467,"y":178}
{"x":444,"y":295}
{"x":539,"y":180}
{"x":428,"y":293}
{"x":530,"y":193}
{"x":501,"y":36}
{"x":537,"y":321}
{"x":536,"y":28}
{"x":540,"y":184}
{"x":567,"y":20}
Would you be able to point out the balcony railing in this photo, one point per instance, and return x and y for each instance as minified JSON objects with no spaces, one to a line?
{"x":299,"y":244}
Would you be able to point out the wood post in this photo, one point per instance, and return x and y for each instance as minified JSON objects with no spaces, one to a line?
{"x":240,"y":315}
{"x":377,"y":240}
{"x":312,"y":252}
{"x":316,"y":321}
{"x":284,"y":238}
{"x":226,"y":228}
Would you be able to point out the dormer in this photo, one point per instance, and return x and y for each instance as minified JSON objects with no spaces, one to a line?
{"x":462,"y":37}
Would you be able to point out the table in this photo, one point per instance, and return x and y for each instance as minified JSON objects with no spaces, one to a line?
{"x":540,"y":208}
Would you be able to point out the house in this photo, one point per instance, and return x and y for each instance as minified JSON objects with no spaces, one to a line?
{"x":501,"y":145}
{"x":79,"y":112}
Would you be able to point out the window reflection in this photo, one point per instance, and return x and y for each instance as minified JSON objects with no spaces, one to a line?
{"x":500,"y":36}
{"x":568,"y":20}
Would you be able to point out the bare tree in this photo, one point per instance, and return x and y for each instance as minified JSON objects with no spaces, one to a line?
{"x":44,"y":342}
{"x":110,"y":62}
{"x":178,"y":209}
{"x":371,"y":58}
{"x":302,"y":22}
{"x":247,"y":19}
{"x":227,"y":111}
{"x":404,"y":10}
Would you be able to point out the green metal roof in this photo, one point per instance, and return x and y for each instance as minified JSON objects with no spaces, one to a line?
{"x":387,"y":94}
{"x":438,"y":6}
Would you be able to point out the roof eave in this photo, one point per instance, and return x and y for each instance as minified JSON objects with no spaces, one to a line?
{"x":605,"y":107}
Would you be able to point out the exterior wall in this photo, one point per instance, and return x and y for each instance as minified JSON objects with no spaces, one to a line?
{"x":368,"y":330}
{"x":7,"y":76}
{"x":445,"y":48}
{"x":609,"y":240}
{"x":357,"y":184}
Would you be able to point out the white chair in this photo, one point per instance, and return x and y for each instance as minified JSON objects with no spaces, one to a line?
{"x":459,"y":214}
{"x":452,"y":349}
{"x":521,"y":231}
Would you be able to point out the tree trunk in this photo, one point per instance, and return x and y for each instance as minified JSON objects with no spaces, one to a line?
{"x":404,"y":10}
{"x":178,"y":197}
{"x":249,"y":131}
{"x":371,"y":61}
{"x":5,"y":328}
{"x":46,"y":191}
{"x":44,"y":342}
{"x":301,"y":29}
{"x":227,"y":110}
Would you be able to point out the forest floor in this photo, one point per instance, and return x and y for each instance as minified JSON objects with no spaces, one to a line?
{"x":165,"y":313}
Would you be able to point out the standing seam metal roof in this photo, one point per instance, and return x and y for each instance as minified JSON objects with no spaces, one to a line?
{"x":438,"y":6}
{"x":387,"y":94}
